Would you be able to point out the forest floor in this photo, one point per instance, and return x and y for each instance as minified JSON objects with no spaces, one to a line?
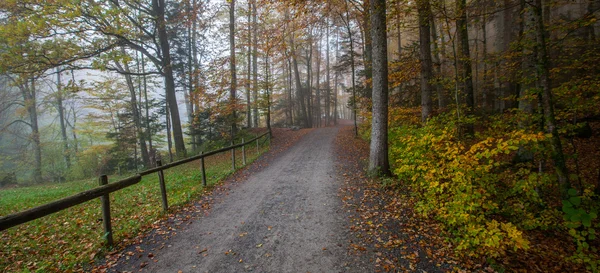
{"x":308,"y":206}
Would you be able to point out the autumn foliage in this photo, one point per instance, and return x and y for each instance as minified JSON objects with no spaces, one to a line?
{"x":480,"y":192}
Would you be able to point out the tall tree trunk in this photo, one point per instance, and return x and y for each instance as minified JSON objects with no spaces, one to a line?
{"x":424,"y":10}
{"x":317,"y":105}
{"x":249,"y":69}
{"x":465,"y":60}
{"x":299,"y":91}
{"x":267,"y":74}
{"x":484,"y":85}
{"x":399,"y":41}
{"x":353,"y":67}
{"x":169,"y":139}
{"x":308,"y":93}
{"x":61,"y":116}
{"x":124,"y":69}
{"x":368,"y":56}
{"x":328,"y":79}
{"x":542,"y":69}
{"x":30,"y":99}
{"x":158,"y":7}
{"x":255,"y":62}
{"x":289,"y":85}
{"x":233,"y":87}
{"x":336,"y":80}
{"x":148,"y":131}
{"x":378,"y":159}
{"x":437,"y":63}
{"x":190,"y":92}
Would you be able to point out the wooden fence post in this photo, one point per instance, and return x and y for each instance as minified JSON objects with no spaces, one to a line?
{"x":232,"y":156}
{"x":203,"y":171}
{"x":163,"y":188}
{"x":257,"y":145}
{"x":105,"y":201}
{"x":244,"y":151}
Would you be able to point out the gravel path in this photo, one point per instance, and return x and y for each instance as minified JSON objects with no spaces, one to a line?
{"x":286,"y":217}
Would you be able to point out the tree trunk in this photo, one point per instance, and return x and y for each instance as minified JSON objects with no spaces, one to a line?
{"x":424,"y":10}
{"x":308,"y":94}
{"x":31,"y":103}
{"x":378,"y":159}
{"x":148,"y":131}
{"x":328,"y":79}
{"x":317,"y":105}
{"x":158,"y":7}
{"x":465,"y":60}
{"x":399,"y":42}
{"x":542,"y":68}
{"x":249,"y":69}
{"x":437,"y":62}
{"x":368,"y":56}
{"x":135,"y":111}
{"x":255,"y":63}
{"x":299,"y":91}
{"x":484,"y":85}
{"x":233,"y":87}
{"x":353,"y":66}
{"x":289,"y":84}
{"x":336,"y":80}
{"x":190,"y":91}
{"x":267,"y":72}
{"x":169,"y":139}
{"x":61,"y":117}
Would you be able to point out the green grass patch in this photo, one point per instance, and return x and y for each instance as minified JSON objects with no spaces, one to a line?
{"x":72,"y":238}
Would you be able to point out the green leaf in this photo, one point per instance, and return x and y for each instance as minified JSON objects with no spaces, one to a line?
{"x":575,"y":217}
{"x":592,"y":237}
{"x":593,"y":215}
{"x":586,"y":220}
{"x":576,"y":201}
{"x":572,"y":232}
{"x":572,"y":192}
{"x":567,"y":204}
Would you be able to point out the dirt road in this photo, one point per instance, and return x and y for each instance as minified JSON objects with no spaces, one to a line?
{"x":286,"y":217}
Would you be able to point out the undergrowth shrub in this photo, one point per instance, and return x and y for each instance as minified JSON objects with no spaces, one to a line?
{"x":473,"y":188}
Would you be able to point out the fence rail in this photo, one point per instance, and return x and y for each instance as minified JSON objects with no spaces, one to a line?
{"x":103,"y":192}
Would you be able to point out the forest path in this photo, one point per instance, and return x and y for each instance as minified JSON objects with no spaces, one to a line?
{"x":285,"y":217}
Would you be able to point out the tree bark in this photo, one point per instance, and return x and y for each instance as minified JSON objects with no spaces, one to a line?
{"x":61,"y":116}
{"x":135,"y":111}
{"x":465,"y":60}
{"x":437,"y":63}
{"x":328,"y":79}
{"x":267,"y":72}
{"x":424,"y":13}
{"x":190,"y":91}
{"x":542,"y":69}
{"x":249,"y":69}
{"x":255,"y":63}
{"x":378,"y":159}
{"x":233,"y":87}
{"x":353,"y":67}
{"x":30,"y":98}
{"x":317,"y":105}
{"x":308,"y":93}
{"x":158,"y":7}
{"x":299,"y":91}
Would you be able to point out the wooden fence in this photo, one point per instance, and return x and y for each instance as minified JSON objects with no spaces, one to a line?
{"x":104,"y":189}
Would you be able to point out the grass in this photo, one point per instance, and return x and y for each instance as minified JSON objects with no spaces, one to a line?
{"x":72,"y":238}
